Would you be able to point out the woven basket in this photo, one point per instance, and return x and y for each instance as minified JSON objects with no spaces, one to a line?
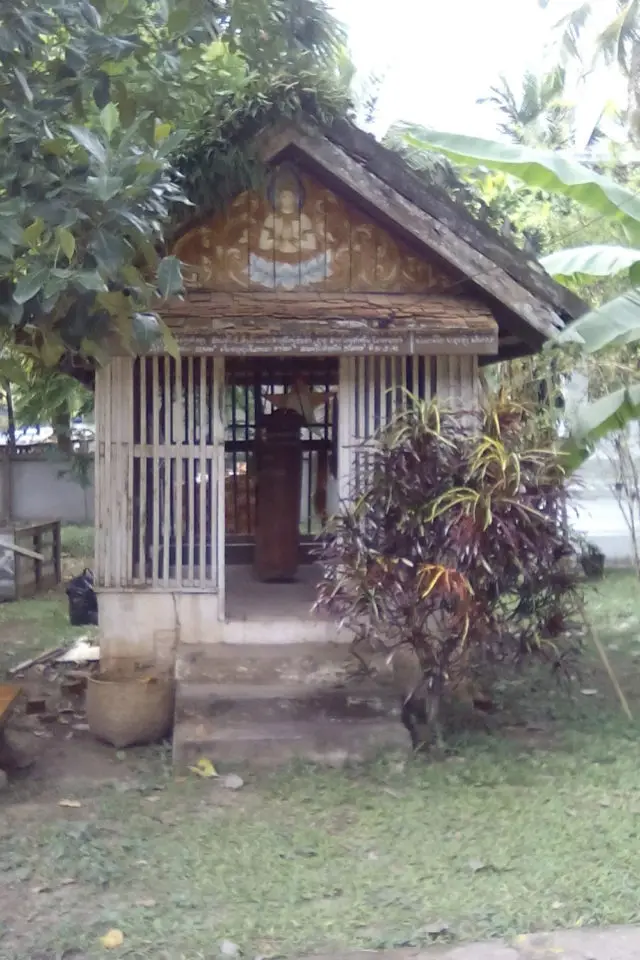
{"x":128,"y":710}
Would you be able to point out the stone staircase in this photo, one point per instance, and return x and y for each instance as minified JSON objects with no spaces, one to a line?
{"x":268,"y":704}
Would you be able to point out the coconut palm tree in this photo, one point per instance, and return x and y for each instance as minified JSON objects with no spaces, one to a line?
{"x":539,"y":115}
{"x":604,"y":31}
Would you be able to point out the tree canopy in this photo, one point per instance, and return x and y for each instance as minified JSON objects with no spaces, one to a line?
{"x":97,"y":102}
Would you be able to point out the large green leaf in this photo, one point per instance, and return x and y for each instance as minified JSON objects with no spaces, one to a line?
{"x":594,"y":421}
{"x":596,"y":260}
{"x":169,"y":277}
{"x":28,"y":286}
{"x":96,"y":98}
{"x":91,"y":143}
{"x":543,"y":169}
{"x":615,"y":323}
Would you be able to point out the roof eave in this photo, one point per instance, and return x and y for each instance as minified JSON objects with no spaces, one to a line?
{"x":537,"y":314}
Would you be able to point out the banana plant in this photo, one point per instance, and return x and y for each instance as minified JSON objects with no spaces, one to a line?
{"x":613,"y":324}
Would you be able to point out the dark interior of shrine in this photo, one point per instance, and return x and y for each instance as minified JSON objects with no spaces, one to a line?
{"x":280,"y":459}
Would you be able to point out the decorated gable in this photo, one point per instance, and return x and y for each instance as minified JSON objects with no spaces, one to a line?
{"x":296,"y":234}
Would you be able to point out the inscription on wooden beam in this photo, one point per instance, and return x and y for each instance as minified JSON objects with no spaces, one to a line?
{"x":406,"y":344}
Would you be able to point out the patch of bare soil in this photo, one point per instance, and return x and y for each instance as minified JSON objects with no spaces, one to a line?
{"x":50,"y":749}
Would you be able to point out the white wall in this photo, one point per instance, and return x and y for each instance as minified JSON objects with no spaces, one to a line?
{"x":597,"y":514}
{"x":43,"y":489}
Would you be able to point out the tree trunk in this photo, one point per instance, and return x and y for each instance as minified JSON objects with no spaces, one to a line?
{"x":62,"y":430}
{"x":11,"y":417}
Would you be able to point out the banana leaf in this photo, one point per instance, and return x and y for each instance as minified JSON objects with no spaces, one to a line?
{"x":548,"y":170}
{"x":595,"y":260}
{"x":613,"y":324}
{"x":596,"y":420}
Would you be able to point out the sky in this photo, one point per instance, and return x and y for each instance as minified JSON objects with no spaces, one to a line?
{"x":439,"y":56}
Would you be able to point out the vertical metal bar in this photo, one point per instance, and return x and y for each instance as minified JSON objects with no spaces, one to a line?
{"x":402,"y":369}
{"x":234,"y":437}
{"x":155,"y":459}
{"x":128,"y":426}
{"x":142,"y":475}
{"x":452,"y":385}
{"x":361,"y":400}
{"x":168,"y":492}
{"x":422,"y":391}
{"x":217,"y":500}
{"x":204,"y":477}
{"x":443,"y":380}
{"x":108,"y":518}
{"x":246,"y":498}
{"x":371,"y":385}
{"x":384,"y":386}
{"x":119,"y":503}
{"x":179,"y":441}
{"x":191,"y":462}
{"x":100,"y":477}
{"x":392,"y":387}
{"x":345,"y":426}
{"x":371,"y":416}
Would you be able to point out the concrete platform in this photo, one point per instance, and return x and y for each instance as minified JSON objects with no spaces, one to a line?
{"x":270,"y":704}
{"x":249,"y":599}
{"x":273,"y":613}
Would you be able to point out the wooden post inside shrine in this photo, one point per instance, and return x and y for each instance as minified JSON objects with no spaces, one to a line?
{"x":278,"y":490}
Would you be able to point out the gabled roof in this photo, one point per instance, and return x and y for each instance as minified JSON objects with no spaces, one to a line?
{"x":528,"y":304}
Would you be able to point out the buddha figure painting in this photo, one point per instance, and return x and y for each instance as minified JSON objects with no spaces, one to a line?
{"x":291,"y":244}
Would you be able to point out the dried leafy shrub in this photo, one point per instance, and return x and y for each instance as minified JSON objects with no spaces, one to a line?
{"x":454,"y":556}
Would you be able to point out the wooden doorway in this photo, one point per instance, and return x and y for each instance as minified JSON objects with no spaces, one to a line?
{"x":254,"y":388}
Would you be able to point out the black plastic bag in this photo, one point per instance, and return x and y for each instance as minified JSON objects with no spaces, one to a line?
{"x":83,"y":601}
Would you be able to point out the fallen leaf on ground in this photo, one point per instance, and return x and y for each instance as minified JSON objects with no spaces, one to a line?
{"x":112,"y":939}
{"x":204,"y":768}
{"x":69,"y":803}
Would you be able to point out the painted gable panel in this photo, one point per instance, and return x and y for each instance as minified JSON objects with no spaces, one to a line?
{"x":297,"y":234}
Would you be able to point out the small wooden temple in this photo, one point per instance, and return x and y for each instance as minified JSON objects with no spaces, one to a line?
{"x":315,"y":306}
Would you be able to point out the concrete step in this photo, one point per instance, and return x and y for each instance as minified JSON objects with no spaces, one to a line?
{"x":271,"y":704}
{"x":323,"y":741}
{"x":263,"y":663}
{"x":261,"y":703}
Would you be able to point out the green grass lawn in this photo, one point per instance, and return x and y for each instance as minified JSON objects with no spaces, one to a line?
{"x":532,"y":826}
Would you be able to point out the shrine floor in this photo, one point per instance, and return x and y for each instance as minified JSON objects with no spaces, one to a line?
{"x":249,"y":599}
